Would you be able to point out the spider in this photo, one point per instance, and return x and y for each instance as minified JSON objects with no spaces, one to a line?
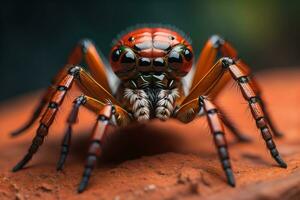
{"x":150,"y":63}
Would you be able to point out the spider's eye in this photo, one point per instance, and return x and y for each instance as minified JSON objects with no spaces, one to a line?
{"x":188,"y":54}
{"x":115,"y":56}
{"x":123,"y":54}
{"x":180,"y":59}
{"x":175,"y":59}
{"x":128,"y":57}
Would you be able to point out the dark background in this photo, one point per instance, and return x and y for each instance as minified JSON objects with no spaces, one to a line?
{"x":36,"y":37}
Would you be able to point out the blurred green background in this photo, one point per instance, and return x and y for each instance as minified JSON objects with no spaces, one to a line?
{"x":36,"y":37}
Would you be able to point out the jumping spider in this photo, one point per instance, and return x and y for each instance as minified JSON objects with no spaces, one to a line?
{"x":150,"y":63}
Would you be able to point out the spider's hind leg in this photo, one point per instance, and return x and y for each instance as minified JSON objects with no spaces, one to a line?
{"x":93,"y":105}
{"x":85,"y":81}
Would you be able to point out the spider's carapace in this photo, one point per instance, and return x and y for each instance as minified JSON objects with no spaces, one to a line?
{"x":152,"y":50}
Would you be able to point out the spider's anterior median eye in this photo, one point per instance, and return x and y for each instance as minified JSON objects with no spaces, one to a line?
{"x":128,"y":57}
{"x":175,"y":57}
{"x":180,"y":59}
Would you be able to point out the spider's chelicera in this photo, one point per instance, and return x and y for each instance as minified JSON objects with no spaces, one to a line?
{"x":150,"y":62}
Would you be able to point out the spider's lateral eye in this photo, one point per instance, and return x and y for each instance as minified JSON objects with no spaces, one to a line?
{"x":159,"y":62}
{"x":131,"y":39}
{"x":175,"y":57}
{"x":115,"y":56}
{"x":128,"y":57}
{"x":144,"y":62}
{"x":188,"y":54}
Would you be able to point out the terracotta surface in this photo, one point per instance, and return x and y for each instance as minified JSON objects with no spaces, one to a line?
{"x":159,"y":160}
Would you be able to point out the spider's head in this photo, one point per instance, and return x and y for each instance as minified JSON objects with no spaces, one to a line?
{"x":151,"y":50}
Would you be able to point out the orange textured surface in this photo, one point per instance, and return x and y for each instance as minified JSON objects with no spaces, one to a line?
{"x":159,"y":160}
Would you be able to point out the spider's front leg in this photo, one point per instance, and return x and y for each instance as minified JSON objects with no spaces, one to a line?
{"x":215,"y":46}
{"x":66,"y":79}
{"x":247,"y":87}
{"x":98,"y":136}
{"x":85,"y":50}
{"x":216,"y":128}
{"x":122,"y":118}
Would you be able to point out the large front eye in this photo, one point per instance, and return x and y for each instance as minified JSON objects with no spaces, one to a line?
{"x":128,"y":57}
{"x":123,"y":59}
{"x":115,"y":55}
{"x":180,"y":59}
{"x":175,"y":57}
{"x":125,"y":53}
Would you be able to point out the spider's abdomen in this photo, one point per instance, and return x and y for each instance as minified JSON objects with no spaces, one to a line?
{"x":151,"y":50}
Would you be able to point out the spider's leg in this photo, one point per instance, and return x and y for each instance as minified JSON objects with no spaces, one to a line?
{"x":86,"y":50}
{"x":255,"y":103}
{"x":95,"y":106}
{"x":67,"y":137}
{"x":86,"y":82}
{"x":217,"y":130}
{"x":215,"y":47}
{"x":99,"y":132}
{"x":42,"y":104}
{"x":38,"y":110}
{"x":271,"y":124}
{"x":249,"y":93}
{"x":216,"y":127}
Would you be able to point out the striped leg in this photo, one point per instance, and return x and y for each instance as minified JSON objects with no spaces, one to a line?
{"x":86,"y":50}
{"x":38,"y":110}
{"x":217,"y":46}
{"x":214,"y":47}
{"x":99,"y":132}
{"x":249,"y":94}
{"x":74,"y":73}
{"x":42,"y":104}
{"x":67,"y":137}
{"x":239,"y":73}
{"x":48,"y":117}
{"x":216,"y":127}
{"x":95,"y":106}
